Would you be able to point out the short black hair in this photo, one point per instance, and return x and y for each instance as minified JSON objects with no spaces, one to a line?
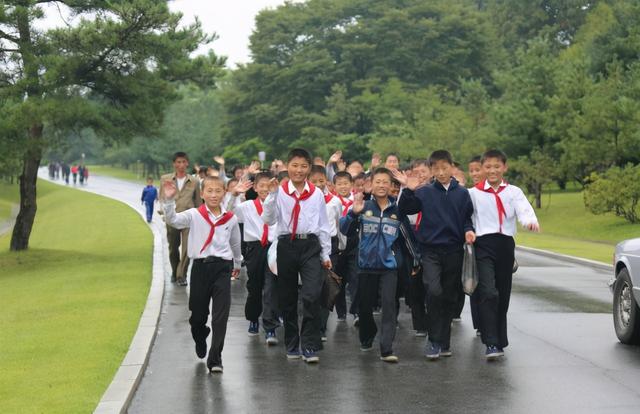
{"x":354,"y":161}
{"x":299,"y":153}
{"x":232,"y":180}
{"x":262,"y":176}
{"x":476,"y":158}
{"x":149,"y":178}
{"x":318,"y":169}
{"x":494,"y":153}
{"x":283,"y":174}
{"x":361,"y":176}
{"x":419,"y":162}
{"x":236,"y":168}
{"x":342,"y":174}
{"x":392,"y":154}
{"x":440,"y":155}
{"x":180,"y":154}
{"x":210,"y":179}
{"x":382,"y":170}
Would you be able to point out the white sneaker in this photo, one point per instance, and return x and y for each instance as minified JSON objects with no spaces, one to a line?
{"x":389,"y":358}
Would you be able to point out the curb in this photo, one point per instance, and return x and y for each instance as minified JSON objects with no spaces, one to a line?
{"x":572,"y":259}
{"x":118,"y":396}
{"x":119,"y":393}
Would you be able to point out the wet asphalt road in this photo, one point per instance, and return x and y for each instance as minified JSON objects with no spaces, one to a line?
{"x":564,"y":357}
{"x":561,"y":359}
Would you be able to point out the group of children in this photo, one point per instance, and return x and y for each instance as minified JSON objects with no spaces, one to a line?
{"x":386,"y":233}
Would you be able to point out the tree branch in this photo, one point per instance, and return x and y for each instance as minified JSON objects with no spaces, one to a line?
{"x":5,"y":35}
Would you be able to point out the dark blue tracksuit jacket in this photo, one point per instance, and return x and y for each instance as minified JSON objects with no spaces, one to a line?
{"x":446,"y":214}
{"x":382,"y":235}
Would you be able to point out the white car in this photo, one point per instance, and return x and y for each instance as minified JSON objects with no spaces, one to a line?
{"x":626,"y":291}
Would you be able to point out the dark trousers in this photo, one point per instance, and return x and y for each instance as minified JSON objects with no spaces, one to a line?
{"x":494,"y":256}
{"x":457,"y":312}
{"x":417,"y":296}
{"x":210,"y":285}
{"x":260,"y":289}
{"x":369,"y":286}
{"x":178,"y":256}
{"x":347,"y":269}
{"x":324,"y":312}
{"x":442,"y":271}
{"x":475,"y":311}
{"x":300,"y":256}
{"x":149,"y":209}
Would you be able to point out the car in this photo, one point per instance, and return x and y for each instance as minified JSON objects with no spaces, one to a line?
{"x":625,"y":287}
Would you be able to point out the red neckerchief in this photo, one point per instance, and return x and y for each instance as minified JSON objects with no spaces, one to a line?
{"x":328,"y":197}
{"x":502,"y":213}
{"x":346,"y":203}
{"x":265,"y":228}
{"x":418,"y":220}
{"x":295,"y":214}
{"x":205,"y":215}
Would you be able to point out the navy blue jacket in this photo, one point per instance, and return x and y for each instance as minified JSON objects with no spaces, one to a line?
{"x":149,"y":194}
{"x":382,"y":235}
{"x":446,"y":214}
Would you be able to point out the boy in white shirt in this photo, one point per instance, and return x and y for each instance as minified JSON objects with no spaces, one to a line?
{"x":497,"y":205}
{"x":214,"y":247}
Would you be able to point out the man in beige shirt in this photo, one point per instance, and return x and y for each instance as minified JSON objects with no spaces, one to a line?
{"x":188,"y":196}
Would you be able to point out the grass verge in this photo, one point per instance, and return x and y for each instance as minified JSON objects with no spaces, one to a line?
{"x":72,"y":302}
{"x":9,"y":196}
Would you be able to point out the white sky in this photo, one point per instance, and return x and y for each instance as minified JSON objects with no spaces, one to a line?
{"x":233,"y":22}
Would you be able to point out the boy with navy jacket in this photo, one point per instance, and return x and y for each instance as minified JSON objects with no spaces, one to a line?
{"x":382,"y":230}
{"x":446,"y":224}
{"x":149,"y":197}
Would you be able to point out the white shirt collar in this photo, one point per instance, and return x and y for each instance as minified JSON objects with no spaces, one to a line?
{"x":222,"y":212}
{"x":487,"y":185}
{"x":291,"y":188}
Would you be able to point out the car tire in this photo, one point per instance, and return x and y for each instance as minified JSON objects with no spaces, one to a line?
{"x":626,"y":314}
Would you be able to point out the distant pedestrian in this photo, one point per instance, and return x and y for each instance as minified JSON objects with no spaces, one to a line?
{"x":85,"y":174}
{"x":81,"y":174}
{"x":66,"y":171}
{"x":149,"y":197}
{"x":74,"y":172}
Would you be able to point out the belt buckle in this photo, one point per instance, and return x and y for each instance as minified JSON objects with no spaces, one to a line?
{"x":303,"y":236}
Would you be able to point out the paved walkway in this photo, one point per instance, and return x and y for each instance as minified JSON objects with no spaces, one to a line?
{"x":564,"y":357}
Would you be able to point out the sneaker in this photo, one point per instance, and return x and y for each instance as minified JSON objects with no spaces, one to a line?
{"x":366,"y":347}
{"x":323,"y":338}
{"x":216,"y":369}
{"x":201,"y":348}
{"x":478,"y":333}
{"x":356,"y":321}
{"x":295,"y":354}
{"x":501,"y":351}
{"x":376,"y":311}
{"x":254,"y":328}
{"x":389,"y":358}
{"x":271,"y":338}
{"x":173,"y":279}
{"x":493,"y":352}
{"x":432,"y":351}
{"x":342,"y":318}
{"x":421,"y":334}
{"x":446,"y":352}
{"x":310,"y":356}
{"x":181,"y":281}
{"x":456,"y":320}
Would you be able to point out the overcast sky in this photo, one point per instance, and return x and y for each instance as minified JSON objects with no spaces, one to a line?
{"x":231,"y":20}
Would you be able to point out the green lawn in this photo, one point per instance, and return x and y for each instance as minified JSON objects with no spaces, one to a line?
{"x":72,"y":302}
{"x":567,"y":227}
{"x":116,"y":172}
{"x":9,"y":195}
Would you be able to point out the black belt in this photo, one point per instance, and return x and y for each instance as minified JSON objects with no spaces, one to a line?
{"x":303,"y":236}
{"x":211,"y":259}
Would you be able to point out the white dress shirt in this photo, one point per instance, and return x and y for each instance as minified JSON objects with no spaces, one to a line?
{"x":334,"y":212}
{"x":253,"y":223}
{"x":485,"y":210}
{"x":226,"y":238}
{"x":278,"y":208}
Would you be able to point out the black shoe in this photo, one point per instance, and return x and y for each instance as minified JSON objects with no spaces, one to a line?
{"x":173,"y":279}
{"x":182,"y":281}
{"x":201,"y":348}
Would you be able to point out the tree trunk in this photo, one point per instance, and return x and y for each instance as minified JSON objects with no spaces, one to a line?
{"x":28,"y":178}
{"x":538,"y":196}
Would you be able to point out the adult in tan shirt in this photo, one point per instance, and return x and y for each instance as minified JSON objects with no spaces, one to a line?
{"x":188,"y":196}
